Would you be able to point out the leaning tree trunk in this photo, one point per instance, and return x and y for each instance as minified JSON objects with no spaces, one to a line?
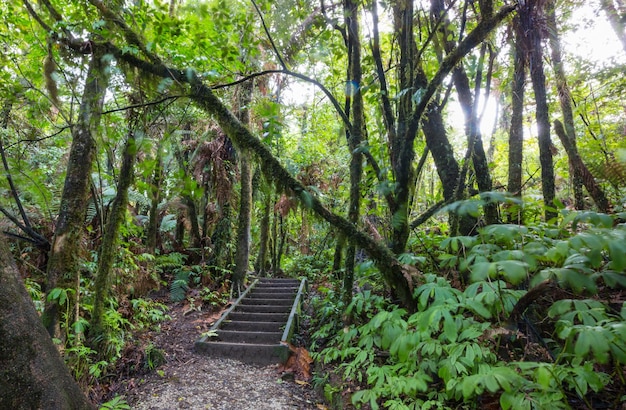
{"x":68,"y":232}
{"x":577,"y":163}
{"x":32,"y":374}
{"x":242,"y":252}
{"x":566,"y":103}
{"x":516,"y":131}
{"x":616,"y":18}
{"x":108,"y":248}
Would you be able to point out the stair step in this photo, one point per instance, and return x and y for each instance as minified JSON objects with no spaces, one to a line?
{"x":258,"y":317}
{"x":264,"y":308}
{"x":286,"y":285}
{"x":252,"y":329}
{"x":253,"y":326}
{"x":270,"y":295}
{"x":237,"y":336}
{"x":260,"y":354}
{"x":259,"y":301}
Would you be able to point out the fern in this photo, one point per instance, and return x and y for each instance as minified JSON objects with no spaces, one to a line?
{"x":180,"y":286}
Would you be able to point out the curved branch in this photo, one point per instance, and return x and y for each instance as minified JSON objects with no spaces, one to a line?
{"x":269,"y":36}
{"x":147,"y":104}
{"x":302,"y":77}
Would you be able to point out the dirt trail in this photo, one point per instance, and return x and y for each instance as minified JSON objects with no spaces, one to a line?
{"x":191,"y":381}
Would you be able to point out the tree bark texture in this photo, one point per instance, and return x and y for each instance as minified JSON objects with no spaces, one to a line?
{"x":69,"y":227}
{"x":32,"y":373}
{"x":447,"y":167}
{"x":403,"y":152}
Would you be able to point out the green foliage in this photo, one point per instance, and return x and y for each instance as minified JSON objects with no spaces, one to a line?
{"x":117,"y":403}
{"x":448,"y":351}
{"x":184,"y":275}
{"x":148,"y":313}
{"x":154,"y":357}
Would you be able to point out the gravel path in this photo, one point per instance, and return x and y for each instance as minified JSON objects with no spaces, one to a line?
{"x":210,"y":383}
{"x":191,"y":381}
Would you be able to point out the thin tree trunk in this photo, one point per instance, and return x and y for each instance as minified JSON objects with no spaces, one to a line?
{"x":32,"y":373}
{"x":355,"y":134}
{"x":152,"y":231}
{"x":566,"y":101}
{"x":530,"y":16}
{"x":261,"y":262}
{"x":192,"y":216}
{"x":117,"y":213}
{"x":447,"y":167}
{"x":69,"y":227}
{"x":590,"y":182}
{"x":516,"y":131}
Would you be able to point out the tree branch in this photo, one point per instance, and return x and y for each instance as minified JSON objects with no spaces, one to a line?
{"x":269,"y":36}
{"x":303,"y":77}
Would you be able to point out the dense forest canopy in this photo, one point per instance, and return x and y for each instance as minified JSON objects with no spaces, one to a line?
{"x":420,"y":150}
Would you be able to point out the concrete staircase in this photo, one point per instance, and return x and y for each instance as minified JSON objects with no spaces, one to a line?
{"x":252,"y":329}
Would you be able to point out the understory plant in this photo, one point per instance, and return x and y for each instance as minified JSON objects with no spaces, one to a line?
{"x":516,"y":317}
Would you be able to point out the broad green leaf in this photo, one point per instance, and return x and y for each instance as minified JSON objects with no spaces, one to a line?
{"x":514,"y":271}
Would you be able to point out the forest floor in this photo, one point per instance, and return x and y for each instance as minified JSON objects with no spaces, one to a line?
{"x":187,"y":380}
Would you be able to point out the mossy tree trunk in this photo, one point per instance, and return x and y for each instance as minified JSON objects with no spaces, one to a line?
{"x":530,"y":16}
{"x":242,"y":250}
{"x":355,"y":134}
{"x":66,"y":245}
{"x":117,"y":213}
{"x":32,"y":373}
{"x":516,"y":130}
{"x":152,"y":231}
{"x":261,"y":261}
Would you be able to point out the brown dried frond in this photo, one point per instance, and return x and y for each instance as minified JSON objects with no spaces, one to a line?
{"x":285,"y":204}
{"x":611,"y":169}
{"x":213,"y":166}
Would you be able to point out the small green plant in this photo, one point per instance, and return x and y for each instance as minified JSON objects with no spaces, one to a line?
{"x":184,"y":276}
{"x":148,"y":313}
{"x":154,"y":357}
{"x":117,"y":403}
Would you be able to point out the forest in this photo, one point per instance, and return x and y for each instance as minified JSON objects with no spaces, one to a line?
{"x":448,"y":175}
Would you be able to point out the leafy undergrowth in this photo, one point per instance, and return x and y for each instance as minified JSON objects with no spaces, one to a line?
{"x":517,"y":317}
